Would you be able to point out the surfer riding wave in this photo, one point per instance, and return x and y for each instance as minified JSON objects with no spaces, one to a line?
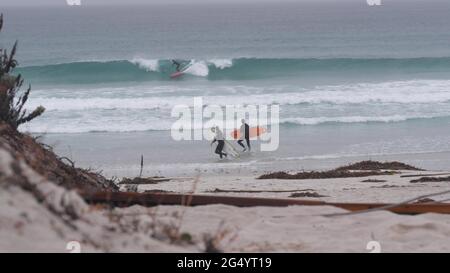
{"x":177,"y":65}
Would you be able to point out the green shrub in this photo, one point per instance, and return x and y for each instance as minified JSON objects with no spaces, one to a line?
{"x":12,"y":101}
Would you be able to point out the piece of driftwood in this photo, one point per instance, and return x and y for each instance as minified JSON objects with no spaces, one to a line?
{"x":217,"y":190}
{"x":124,"y":199}
{"x":143,"y":181}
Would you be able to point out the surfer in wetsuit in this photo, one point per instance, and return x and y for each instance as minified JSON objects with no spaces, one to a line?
{"x":177,"y":65}
{"x":244,"y":134}
{"x":220,"y":141}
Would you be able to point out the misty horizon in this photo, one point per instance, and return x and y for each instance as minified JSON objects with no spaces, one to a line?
{"x":25,"y":3}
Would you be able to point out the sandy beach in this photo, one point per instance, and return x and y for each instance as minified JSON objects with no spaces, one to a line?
{"x":234,"y":229}
{"x":382,"y":189}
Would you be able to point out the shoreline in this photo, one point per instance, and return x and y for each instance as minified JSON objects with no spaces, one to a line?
{"x":229,"y":168}
{"x":309,"y":148}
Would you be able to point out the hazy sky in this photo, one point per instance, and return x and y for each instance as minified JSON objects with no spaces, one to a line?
{"x":128,"y":2}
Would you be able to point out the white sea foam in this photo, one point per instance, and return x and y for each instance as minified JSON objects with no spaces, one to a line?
{"x":75,"y":104}
{"x":356,"y":119}
{"x":404,"y":94}
{"x":198,"y":68}
{"x":148,"y":65}
{"x":140,"y":108}
{"x":133,"y":122}
{"x":221,"y":63}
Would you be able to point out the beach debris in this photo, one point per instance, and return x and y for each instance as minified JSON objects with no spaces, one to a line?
{"x":142,"y":166}
{"x":406,"y":207}
{"x":306,"y":194}
{"x":388,"y":187}
{"x":324,"y":174}
{"x":423,"y":175}
{"x":127,"y":199}
{"x":63,"y":158}
{"x":373,"y":181}
{"x":376,"y":165}
{"x":131,"y":188}
{"x":216,"y":190}
{"x":425,"y":200}
{"x":359,"y":169}
{"x":157,"y":191}
{"x":428,"y":179}
{"x":143,"y":181}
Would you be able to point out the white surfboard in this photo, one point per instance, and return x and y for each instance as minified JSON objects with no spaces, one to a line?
{"x":231,"y":150}
{"x":228,"y":149}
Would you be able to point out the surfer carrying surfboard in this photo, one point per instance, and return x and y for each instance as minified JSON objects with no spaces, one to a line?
{"x":244,"y":134}
{"x":219,"y":138}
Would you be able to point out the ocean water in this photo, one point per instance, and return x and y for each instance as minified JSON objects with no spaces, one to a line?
{"x":352,"y":81}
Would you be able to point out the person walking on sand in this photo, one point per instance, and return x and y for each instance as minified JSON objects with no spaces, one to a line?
{"x":244,"y":134}
{"x":219,"y":138}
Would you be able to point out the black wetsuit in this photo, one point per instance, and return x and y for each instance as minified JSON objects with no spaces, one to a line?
{"x":246,"y":136}
{"x":219,"y":149}
{"x":177,"y":64}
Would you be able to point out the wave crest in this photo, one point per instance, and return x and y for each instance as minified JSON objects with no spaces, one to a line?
{"x":140,"y":69}
{"x":148,"y":65}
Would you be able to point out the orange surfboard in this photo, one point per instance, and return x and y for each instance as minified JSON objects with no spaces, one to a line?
{"x":254,"y":132}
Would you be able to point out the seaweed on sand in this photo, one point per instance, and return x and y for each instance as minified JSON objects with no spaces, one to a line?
{"x":374,"y":181}
{"x":323,"y":175}
{"x":431,"y":179}
{"x":307,"y":194}
{"x":376,"y":165}
{"x":359,"y":169}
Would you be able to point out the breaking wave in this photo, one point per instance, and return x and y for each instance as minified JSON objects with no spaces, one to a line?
{"x":141,"y":69}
